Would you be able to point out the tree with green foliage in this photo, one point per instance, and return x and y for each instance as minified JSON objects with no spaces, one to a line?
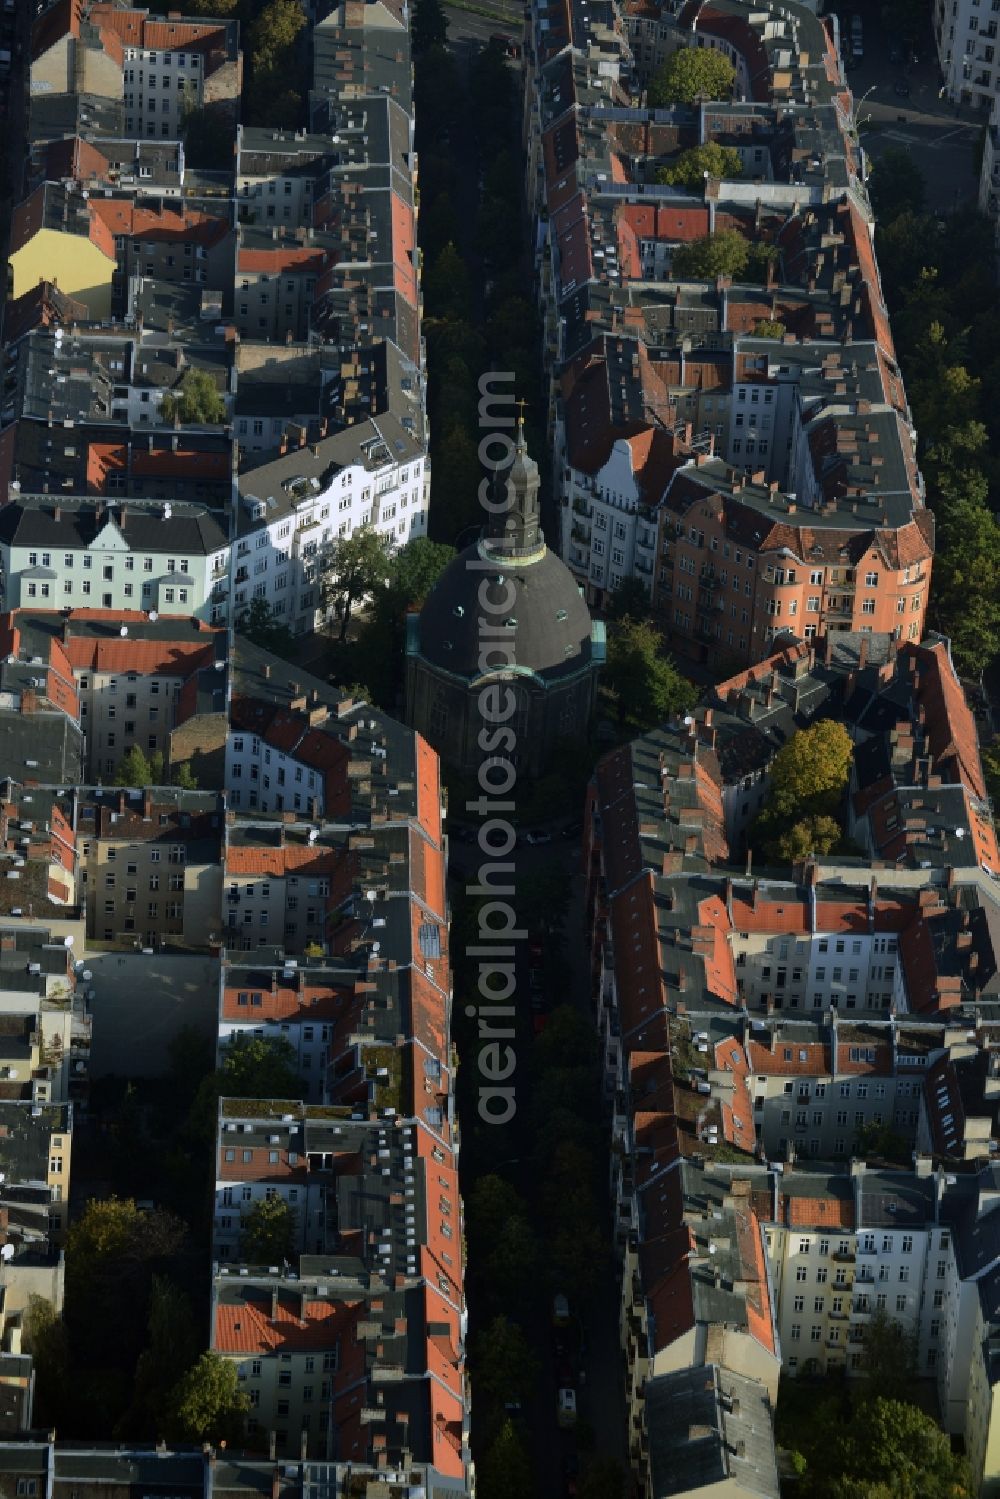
{"x":490,"y":1204}
{"x":261,"y":626}
{"x":604,"y":1478}
{"x":725,"y":253}
{"x":198,"y":402}
{"x":113,"y":1252}
{"x":697,"y":163}
{"x":504,"y":1368}
{"x":184,"y":777}
{"x":511,"y":1265}
{"x":455,"y":477}
{"x":209,"y":137}
{"x":358,"y":565}
{"x":965,"y":602}
{"x":881,"y":1142}
{"x":207,"y":1404}
{"x":896,"y":185}
{"x":647,"y":685}
{"x":506,"y":1467}
{"x":890,"y":1450}
{"x":807,"y":781}
{"x":447,"y":288}
{"x":413,"y":571}
{"x":630,"y":600}
{"x":267,"y":1233}
{"x":259,"y":1067}
{"x":991,"y":769}
{"x":691,"y":74}
{"x":567,"y":1041}
{"x":769,"y":328}
{"x":171,"y":1349}
{"x":275,"y":32}
{"x":428,"y":27}
{"x":134,"y":769}
{"x":44,"y":1337}
{"x":808,"y":836}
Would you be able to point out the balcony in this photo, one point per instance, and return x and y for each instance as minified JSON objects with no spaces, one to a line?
{"x":845,"y":1257}
{"x":580,"y":507}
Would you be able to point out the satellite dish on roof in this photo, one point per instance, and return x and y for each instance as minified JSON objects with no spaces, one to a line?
{"x":123,"y":631}
{"x":7,"y":1253}
{"x":68,"y":940}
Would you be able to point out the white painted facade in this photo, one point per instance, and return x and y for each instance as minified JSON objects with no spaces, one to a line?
{"x":605,"y":538}
{"x":110,"y":574}
{"x":159,"y":87}
{"x":264,"y":779}
{"x":288,"y":527}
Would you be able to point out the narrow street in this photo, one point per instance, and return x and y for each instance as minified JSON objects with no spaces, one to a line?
{"x":601,"y":1387}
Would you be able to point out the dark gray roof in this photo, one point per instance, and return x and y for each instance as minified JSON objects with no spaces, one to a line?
{"x":45,"y":521}
{"x":705,"y":1425}
{"x":25,"y":1132}
{"x":549,"y":623}
{"x":41,"y":746}
{"x":895,"y":1200}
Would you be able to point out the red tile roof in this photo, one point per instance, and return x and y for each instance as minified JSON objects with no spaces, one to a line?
{"x":249,"y":1326}
{"x":146,"y":657}
{"x":817,"y":1212}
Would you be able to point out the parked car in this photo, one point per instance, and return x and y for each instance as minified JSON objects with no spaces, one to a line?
{"x":566,"y":1408}
{"x":536,"y":980}
{"x":536,"y":838}
{"x":560,"y":1310}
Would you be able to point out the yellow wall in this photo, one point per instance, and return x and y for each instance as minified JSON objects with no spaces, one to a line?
{"x":77,"y":266}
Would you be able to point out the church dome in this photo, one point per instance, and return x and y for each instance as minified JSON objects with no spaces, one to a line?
{"x":544,"y":620}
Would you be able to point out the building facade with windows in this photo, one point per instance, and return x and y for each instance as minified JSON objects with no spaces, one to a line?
{"x":295,"y":509}
{"x":79,"y":553}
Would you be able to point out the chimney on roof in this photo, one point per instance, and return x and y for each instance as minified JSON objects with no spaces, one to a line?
{"x":121,"y":802}
{"x":272,"y":1450}
{"x":147,"y":805}
{"x":267,"y":671}
{"x":57,"y":512}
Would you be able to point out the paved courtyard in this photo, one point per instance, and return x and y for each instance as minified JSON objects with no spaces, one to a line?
{"x":141,"y":1002}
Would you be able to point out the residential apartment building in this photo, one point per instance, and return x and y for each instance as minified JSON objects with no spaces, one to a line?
{"x":150,"y":865}
{"x":743,"y":448}
{"x":80,"y":553}
{"x":67,"y":1468}
{"x":294,"y":508}
{"x":966,"y":40}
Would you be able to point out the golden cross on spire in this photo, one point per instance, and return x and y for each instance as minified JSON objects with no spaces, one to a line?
{"x":520,"y":408}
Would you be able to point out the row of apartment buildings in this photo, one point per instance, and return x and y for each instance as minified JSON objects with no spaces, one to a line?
{"x":288,"y":282}
{"x":311,"y":872}
{"x":801,"y":1066}
{"x":742,"y":447}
